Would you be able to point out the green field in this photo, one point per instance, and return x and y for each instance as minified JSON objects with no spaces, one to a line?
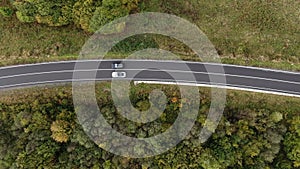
{"x":258,"y":33}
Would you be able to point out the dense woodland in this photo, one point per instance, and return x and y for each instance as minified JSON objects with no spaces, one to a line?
{"x":39,"y":129}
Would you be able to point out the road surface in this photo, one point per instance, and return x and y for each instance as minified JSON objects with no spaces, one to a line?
{"x":206,"y":74}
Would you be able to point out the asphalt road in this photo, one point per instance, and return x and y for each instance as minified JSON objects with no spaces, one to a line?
{"x":209,"y":74}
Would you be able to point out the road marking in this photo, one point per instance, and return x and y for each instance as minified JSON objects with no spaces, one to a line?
{"x":243,"y":87}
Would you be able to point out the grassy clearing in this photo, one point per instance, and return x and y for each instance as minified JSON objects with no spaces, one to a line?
{"x":255,"y":33}
{"x":282,"y":65}
{"x":252,"y":29}
{"x":21,"y":41}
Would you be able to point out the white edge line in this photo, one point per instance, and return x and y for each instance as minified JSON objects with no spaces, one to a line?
{"x":219,"y":86}
{"x":174,"y":61}
{"x":211,"y":84}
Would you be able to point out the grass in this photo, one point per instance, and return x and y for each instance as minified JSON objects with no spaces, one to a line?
{"x":254,"y":33}
{"x":282,"y":65}
{"x":249,"y":28}
{"x":22,"y":41}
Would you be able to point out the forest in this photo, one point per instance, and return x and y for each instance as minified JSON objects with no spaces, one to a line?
{"x":39,"y":129}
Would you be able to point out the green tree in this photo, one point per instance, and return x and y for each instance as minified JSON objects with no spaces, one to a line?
{"x":83,"y":11}
{"x":292,"y":141}
{"x":110,"y":10}
{"x":6,"y":11}
{"x":26,"y":11}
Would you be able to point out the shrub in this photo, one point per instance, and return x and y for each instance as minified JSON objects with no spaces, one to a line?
{"x":26,"y":11}
{"x":54,"y":13}
{"x":110,"y":10}
{"x":6,"y":11}
{"x":83,"y":11}
{"x":60,"y":131}
{"x":104,"y":15}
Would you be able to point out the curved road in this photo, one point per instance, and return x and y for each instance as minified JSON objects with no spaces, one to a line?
{"x":237,"y":77}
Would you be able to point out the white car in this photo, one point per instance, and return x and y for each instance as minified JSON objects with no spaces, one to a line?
{"x":117,"y":66}
{"x":118,"y":74}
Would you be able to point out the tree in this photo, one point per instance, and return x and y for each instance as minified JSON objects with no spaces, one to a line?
{"x":86,"y":14}
{"x":83,"y":11}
